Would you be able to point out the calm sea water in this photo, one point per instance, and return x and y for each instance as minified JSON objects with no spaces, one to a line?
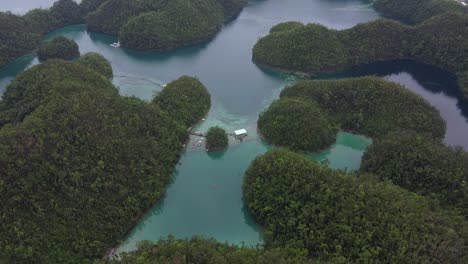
{"x":206,"y":195}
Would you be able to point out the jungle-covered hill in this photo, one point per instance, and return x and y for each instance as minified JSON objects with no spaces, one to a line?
{"x":79,"y":163}
{"x":337,"y":217}
{"x":308,"y":114}
{"x":59,"y":48}
{"x":162,"y":24}
{"x":141,"y":24}
{"x":441,"y":41}
{"x":20,"y":35}
{"x":422,"y":165}
{"x":416,"y":11}
{"x":201,"y":250}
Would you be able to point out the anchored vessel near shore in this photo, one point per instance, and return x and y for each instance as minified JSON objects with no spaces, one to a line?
{"x":115,"y":44}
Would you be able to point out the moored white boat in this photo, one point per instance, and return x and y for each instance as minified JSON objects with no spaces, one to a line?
{"x":115,"y":44}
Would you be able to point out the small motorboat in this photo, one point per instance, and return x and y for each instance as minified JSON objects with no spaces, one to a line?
{"x":115,"y":44}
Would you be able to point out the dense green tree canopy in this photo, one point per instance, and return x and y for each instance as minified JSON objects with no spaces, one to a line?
{"x":204,"y":251}
{"x":421,"y":165}
{"x":371,"y":106}
{"x":186,"y":99}
{"x":88,"y":6}
{"x":41,"y":20}
{"x":161,"y":24}
{"x":216,"y":139}
{"x":62,"y":13}
{"x":16,"y":37}
{"x":319,"y":48}
{"x":308,"y":114}
{"x":286,"y":26}
{"x":340,"y":218}
{"x":413,"y":12}
{"x":112,"y":15}
{"x":142,"y":24}
{"x":28,"y":91}
{"x":20,"y":35}
{"x":298,"y":124}
{"x":440,"y":41}
{"x":232,"y":8}
{"x":463,"y":81}
{"x":79,"y":163}
{"x":96,"y":62}
{"x":59,"y":48}
{"x":179,"y":23}
{"x":67,"y":12}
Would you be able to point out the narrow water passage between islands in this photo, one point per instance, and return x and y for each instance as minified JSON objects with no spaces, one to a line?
{"x":206,"y":194}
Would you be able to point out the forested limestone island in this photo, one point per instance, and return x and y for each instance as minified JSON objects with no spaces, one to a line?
{"x":416,"y":11}
{"x":20,"y":35}
{"x":216,"y":139}
{"x":160,"y":24}
{"x":308,"y":114}
{"x":145,"y":24}
{"x":79,"y":163}
{"x":298,"y":124}
{"x":335,"y":217}
{"x":59,"y":48}
{"x":313,"y":49}
{"x":422,"y":165}
{"x":96,"y":62}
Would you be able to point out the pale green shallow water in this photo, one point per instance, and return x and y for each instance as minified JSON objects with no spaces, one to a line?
{"x":206,"y":197}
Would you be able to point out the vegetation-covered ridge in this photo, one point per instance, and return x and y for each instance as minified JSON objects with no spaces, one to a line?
{"x":441,"y":41}
{"x":204,"y":251}
{"x":96,"y":62}
{"x":185,"y":99}
{"x":20,"y":35}
{"x":416,"y":11}
{"x":160,"y":24}
{"x":216,"y":139}
{"x":59,"y":48}
{"x":336,"y":217}
{"x":298,"y":124}
{"x":79,"y":163}
{"x":422,"y":165}
{"x":309,"y":113}
{"x":143,"y":24}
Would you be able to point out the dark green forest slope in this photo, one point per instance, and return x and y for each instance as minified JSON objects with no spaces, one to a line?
{"x":79,"y":163}
{"x":440,"y":41}
{"x":421,"y":165}
{"x":162,"y":24}
{"x":96,"y":62}
{"x":20,"y":35}
{"x":298,"y":124}
{"x":342,"y":218}
{"x":371,"y":106}
{"x":416,"y":11}
{"x":59,"y":48}
{"x":16,"y":37}
{"x":216,"y":139}
{"x":308,"y":114}
{"x":142,"y":24}
{"x":185,"y":100}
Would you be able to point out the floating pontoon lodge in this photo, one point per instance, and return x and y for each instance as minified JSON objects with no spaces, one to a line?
{"x":240,"y":134}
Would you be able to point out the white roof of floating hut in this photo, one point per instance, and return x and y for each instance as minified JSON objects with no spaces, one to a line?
{"x":240,"y":132}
